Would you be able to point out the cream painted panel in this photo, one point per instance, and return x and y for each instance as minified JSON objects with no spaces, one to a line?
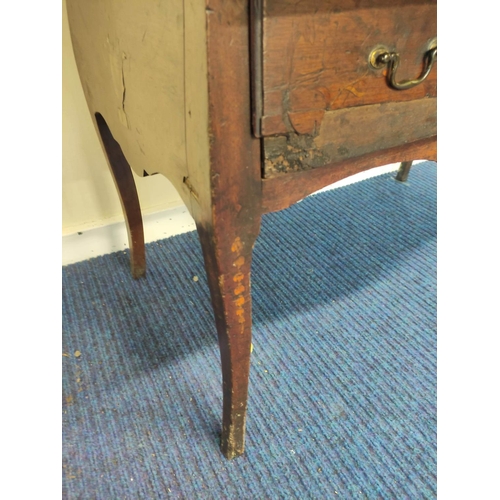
{"x":89,"y":195}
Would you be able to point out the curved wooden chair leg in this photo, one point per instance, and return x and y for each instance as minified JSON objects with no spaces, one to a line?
{"x":404,"y":170}
{"x":228,"y":264}
{"x":125,"y":185}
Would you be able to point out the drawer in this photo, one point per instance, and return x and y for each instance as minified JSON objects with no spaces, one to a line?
{"x":318,"y":100}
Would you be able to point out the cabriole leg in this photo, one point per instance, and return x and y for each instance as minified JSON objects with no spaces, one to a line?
{"x":227,"y":262}
{"x":125,"y":185}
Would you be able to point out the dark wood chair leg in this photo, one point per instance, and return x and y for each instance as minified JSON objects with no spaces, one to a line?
{"x":125,"y":185}
{"x":404,"y":170}
{"x":227,"y":263}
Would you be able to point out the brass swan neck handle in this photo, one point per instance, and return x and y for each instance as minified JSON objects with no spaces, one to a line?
{"x":382,"y":57}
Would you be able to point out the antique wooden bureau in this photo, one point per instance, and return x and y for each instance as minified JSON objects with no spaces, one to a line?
{"x":247,"y":106}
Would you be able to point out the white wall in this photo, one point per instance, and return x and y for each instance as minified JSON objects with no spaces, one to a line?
{"x":89,"y":197}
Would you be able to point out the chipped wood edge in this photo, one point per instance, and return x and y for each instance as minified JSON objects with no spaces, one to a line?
{"x":281,"y":192}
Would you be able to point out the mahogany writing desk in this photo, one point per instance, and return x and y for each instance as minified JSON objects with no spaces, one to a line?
{"x":247,"y":107}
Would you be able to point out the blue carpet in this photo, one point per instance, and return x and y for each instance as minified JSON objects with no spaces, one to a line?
{"x":343,"y":380}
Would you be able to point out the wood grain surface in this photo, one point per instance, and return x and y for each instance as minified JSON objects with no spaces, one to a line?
{"x":350,"y":133}
{"x":315,"y":57}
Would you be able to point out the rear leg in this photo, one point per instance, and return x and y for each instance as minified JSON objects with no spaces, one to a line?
{"x":125,"y":185}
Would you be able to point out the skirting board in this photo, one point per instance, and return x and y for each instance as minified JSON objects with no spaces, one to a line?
{"x":113,"y":237}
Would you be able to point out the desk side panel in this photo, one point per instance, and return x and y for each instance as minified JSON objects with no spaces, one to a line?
{"x":130,"y":57}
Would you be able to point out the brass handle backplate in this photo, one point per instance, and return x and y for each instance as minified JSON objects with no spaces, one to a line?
{"x":380,"y":57}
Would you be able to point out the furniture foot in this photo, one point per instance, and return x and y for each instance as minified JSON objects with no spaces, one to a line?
{"x":227,"y":262}
{"x":125,"y":185}
{"x":404,"y":170}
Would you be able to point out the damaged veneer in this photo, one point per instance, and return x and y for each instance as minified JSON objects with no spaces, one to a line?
{"x":350,"y":133}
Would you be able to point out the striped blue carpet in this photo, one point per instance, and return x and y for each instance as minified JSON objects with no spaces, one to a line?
{"x":343,"y":381}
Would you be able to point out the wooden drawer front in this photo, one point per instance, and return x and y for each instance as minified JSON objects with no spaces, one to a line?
{"x":318,"y":100}
{"x":315,"y":57}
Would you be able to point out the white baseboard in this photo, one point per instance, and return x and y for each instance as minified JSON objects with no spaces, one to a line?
{"x":113,"y":237}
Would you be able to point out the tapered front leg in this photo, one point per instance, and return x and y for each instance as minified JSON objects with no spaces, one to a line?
{"x":125,"y":185}
{"x":227,"y":262}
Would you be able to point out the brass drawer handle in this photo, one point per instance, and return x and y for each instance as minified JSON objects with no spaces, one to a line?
{"x":381,"y":57}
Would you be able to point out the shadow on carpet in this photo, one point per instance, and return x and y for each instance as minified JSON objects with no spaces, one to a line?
{"x":342,"y":397}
